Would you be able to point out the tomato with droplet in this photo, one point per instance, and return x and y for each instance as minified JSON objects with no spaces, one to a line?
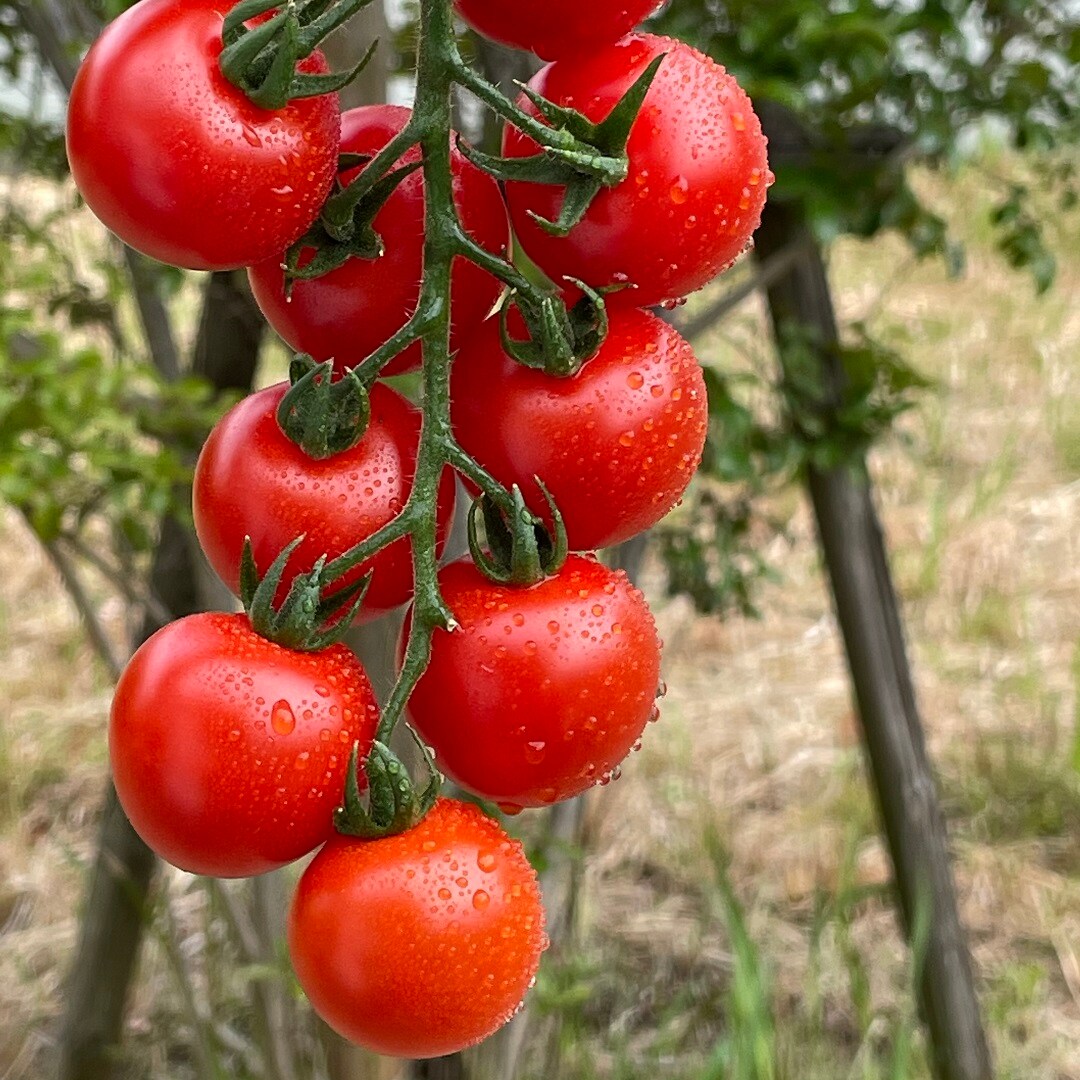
{"x":616,"y":444}
{"x":555,"y":28}
{"x":397,"y":956}
{"x":181,"y":164}
{"x":252,"y":481}
{"x":348,"y":313}
{"x":697,"y":176}
{"x":227,"y":758}
{"x":549,"y":713}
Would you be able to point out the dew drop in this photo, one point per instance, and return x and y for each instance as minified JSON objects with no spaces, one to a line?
{"x":680,"y":190}
{"x":480,"y":900}
{"x":486,"y":861}
{"x":635,"y":380}
{"x":534,"y":752}
{"x":281,"y":718}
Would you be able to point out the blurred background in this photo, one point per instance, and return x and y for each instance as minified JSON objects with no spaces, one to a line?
{"x":902,"y":348}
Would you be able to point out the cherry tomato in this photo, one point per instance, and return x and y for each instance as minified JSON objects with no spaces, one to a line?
{"x":348,"y":313}
{"x":615,"y":444}
{"x":229,"y":752}
{"x":543,"y":691}
{"x":554,"y":28}
{"x":420,"y":944}
{"x":252,"y":480}
{"x":177,"y":161}
{"x":697,"y":180}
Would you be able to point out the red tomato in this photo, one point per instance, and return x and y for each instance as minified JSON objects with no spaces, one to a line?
{"x":348,"y":313}
{"x":543,"y":691}
{"x":229,"y":752}
{"x":420,"y":944}
{"x":252,"y":480}
{"x":555,"y":28}
{"x":615,"y":444}
{"x":177,"y":161}
{"x":697,"y":180}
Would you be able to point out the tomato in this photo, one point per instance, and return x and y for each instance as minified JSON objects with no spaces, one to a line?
{"x":554,"y":28}
{"x":615,"y":444}
{"x":252,"y":480}
{"x":177,"y":161}
{"x":229,"y":752}
{"x":349,"y":312}
{"x":544,"y":690}
{"x":697,"y":180}
{"x":420,"y":944}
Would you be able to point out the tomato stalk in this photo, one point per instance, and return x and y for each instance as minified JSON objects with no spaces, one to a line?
{"x":563,"y":337}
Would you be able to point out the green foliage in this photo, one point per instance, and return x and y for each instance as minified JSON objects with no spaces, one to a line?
{"x":88,"y":431}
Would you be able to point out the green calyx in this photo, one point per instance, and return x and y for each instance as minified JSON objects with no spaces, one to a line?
{"x":323,"y":416}
{"x":394,"y":804}
{"x":520,"y":550}
{"x":305,"y":620}
{"x":560,"y":340}
{"x":596,"y":158}
{"x":345,"y":228}
{"x":261,"y":60}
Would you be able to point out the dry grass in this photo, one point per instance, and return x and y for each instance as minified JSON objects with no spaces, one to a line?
{"x":758,"y":739}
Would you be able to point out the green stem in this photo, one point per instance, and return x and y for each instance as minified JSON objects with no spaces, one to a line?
{"x":496,"y":100}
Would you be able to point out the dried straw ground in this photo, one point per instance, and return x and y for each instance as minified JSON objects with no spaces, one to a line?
{"x":981,"y":504}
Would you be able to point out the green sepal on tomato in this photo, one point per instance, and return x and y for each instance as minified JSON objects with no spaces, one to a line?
{"x":229,"y":753}
{"x":542,"y":691}
{"x":176,"y":160}
{"x":698,"y":174}
{"x":423,"y":943}
{"x":252,"y":481}
{"x":616,"y":444}
{"x":346,"y":314}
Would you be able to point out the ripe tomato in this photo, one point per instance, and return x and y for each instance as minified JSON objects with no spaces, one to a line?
{"x":555,"y":28}
{"x":348,"y":313}
{"x":543,"y":691}
{"x":697,"y":180}
{"x":615,"y":444}
{"x":177,"y":161}
{"x":420,"y":944}
{"x":252,"y":480}
{"x":229,"y":752}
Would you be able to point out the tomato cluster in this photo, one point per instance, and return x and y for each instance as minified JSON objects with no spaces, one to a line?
{"x":238,"y":741}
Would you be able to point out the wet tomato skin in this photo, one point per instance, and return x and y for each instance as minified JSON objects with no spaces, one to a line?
{"x":697,"y":174}
{"x":542,"y":691}
{"x":251,"y":480}
{"x":554,"y":28}
{"x":229,"y":752}
{"x":617,"y":444}
{"x":177,"y":161}
{"x":348,"y":313}
{"x":420,"y":944}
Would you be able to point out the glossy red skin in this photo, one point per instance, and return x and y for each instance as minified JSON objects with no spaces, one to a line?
{"x":543,"y":691}
{"x":420,"y":944}
{"x":347,"y":314}
{"x":554,"y":28}
{"x":229,"y":752}
{"x":696,"y":185}
{"x":177,"y":161}
{"x":251,"y":480}
{"x":616,"y":444}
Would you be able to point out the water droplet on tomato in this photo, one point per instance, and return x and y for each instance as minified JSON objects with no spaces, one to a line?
{"x":480,"y":900}
{"x":635,"y":380}
{"x":680,"y":191}
{"x":486,"y":861}
{"x":534,"y":752}
{"x":282,"y":719}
